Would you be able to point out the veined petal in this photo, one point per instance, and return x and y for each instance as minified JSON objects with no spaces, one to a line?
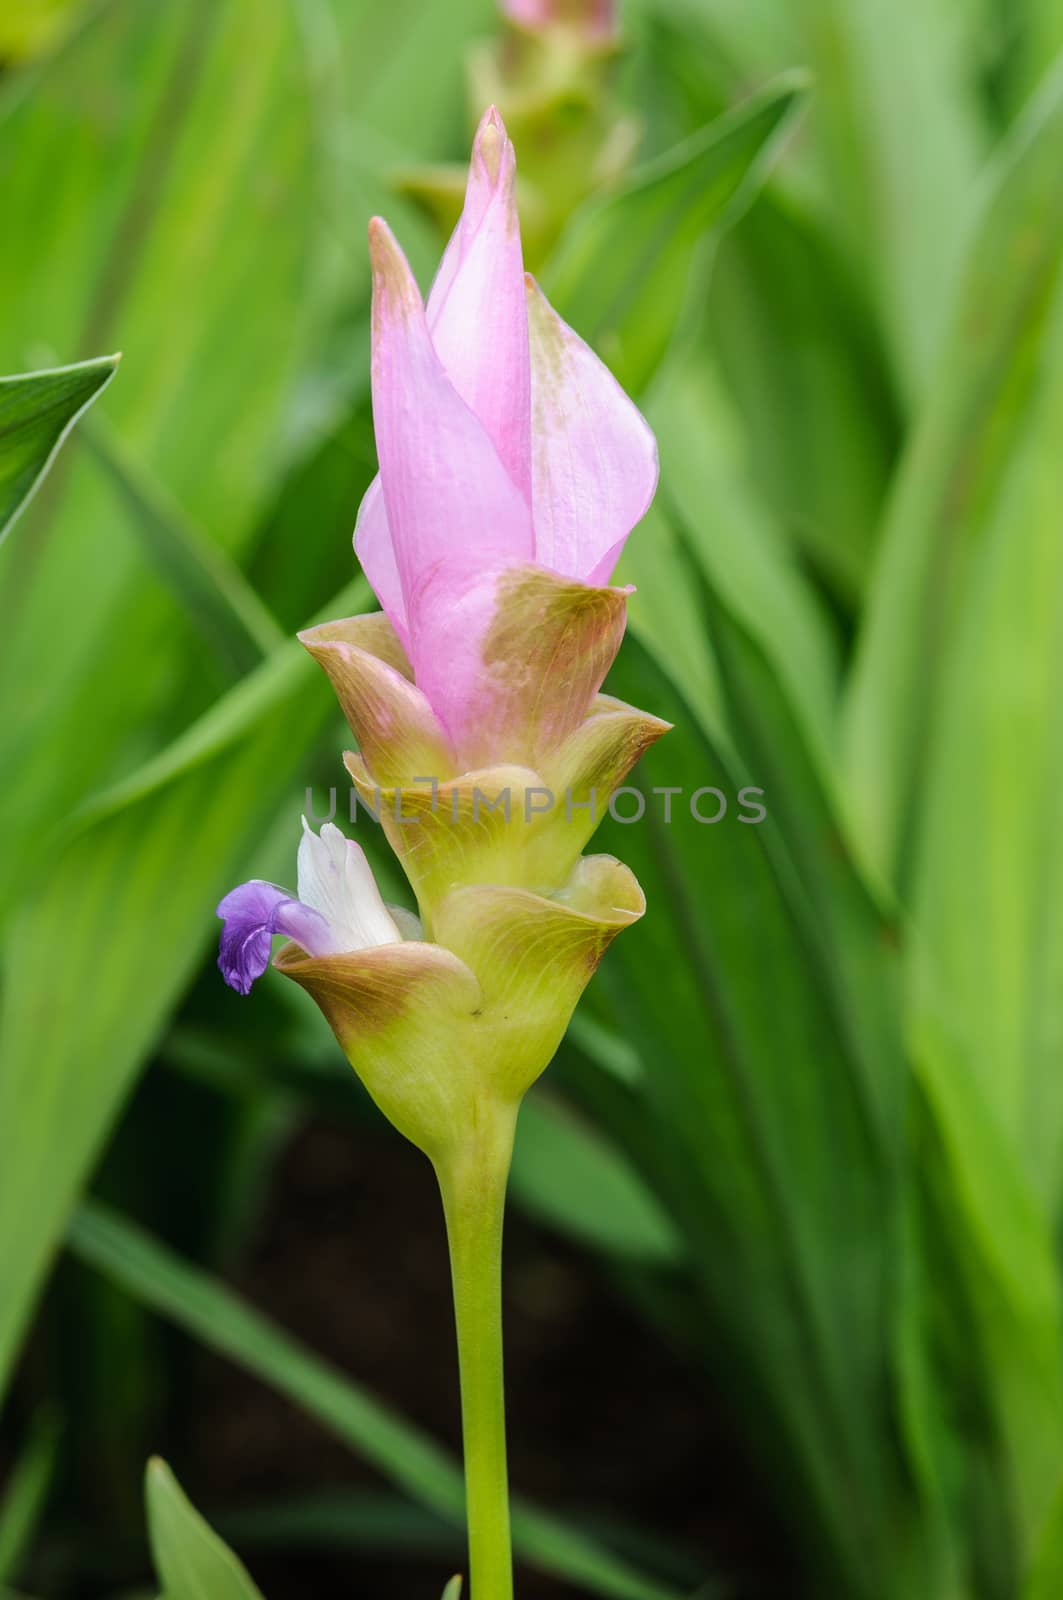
{"x":449,"y":500}
{"x":534,"y":954}
{"x":496,"y":825}
{"x":430,"y":1028}
{"x":404,"y":1015}
{"x":398,"y":733}
{"x":594,"y":457}
{"x":371,"y":631}
{"x":252,"y":914}
{"x":513,"y":658}
{"x":594,"y":760}
{"x":336,"y":880}
{"x":476,"y":310}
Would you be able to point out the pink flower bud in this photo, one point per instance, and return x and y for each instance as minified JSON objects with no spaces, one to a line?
{"x":504,"y":444}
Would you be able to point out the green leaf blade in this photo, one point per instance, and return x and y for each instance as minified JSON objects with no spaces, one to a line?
{"x":191,"y":1561}
{"x":37,"y":411}
{"x":621,"y":270}
{"x":953,"y":471}
{"x":194,"y":1301}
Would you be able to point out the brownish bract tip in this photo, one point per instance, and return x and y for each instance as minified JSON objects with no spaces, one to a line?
{"x":492,"y":144}
{"x":394,"y":286}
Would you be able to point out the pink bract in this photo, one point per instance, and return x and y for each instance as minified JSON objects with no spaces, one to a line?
{"x":503,"y":441}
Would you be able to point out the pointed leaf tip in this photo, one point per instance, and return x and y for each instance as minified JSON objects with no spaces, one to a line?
{"x":190,"y":1559}
{"x":37,"y":411}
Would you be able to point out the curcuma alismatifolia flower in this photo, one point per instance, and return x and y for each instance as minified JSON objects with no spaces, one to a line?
{"x":512,"y":469}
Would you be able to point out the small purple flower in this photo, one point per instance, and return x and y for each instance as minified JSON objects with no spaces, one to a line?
{"x":338,"y":909}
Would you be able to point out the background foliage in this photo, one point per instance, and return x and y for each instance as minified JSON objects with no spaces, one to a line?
{"x":809,"y":1125}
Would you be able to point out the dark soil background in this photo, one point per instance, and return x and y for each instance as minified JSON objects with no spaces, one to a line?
{"x":352,"y":1257}
{"x":606,"y":1424}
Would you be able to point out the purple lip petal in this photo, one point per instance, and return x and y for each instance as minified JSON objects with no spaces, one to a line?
{"x":252,"y":914}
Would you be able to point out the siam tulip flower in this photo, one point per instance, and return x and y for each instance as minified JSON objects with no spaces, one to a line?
{"x":409,"y":1011}
{"x":512,"y":470}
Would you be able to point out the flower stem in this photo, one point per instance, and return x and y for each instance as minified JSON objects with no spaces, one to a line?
{"x":473,"y":1185}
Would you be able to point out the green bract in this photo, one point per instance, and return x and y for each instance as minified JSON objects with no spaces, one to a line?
{"x":515,"y":918}
{"x":437,"y":1031}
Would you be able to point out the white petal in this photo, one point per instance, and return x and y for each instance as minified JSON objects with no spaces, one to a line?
{"x":336,"y":879}
{"x":408,"y":922}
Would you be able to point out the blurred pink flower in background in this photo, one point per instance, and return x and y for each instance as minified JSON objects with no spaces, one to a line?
{"x":597,"y":18}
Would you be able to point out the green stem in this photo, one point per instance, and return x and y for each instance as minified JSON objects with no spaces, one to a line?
{"x":473,"y":1184}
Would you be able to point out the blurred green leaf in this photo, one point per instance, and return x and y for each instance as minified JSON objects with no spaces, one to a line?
{"x":405,"y":83}
{"x":209,"y":586}
{"x":620,"y":271}
{"x":566,"y":1174}
{"x":186,"y":206}
{"x":988,"y":864}
{"x":156,"y":856}
{"x":345,"y":1519}
{"x":794,"y":329}
{"x":992,"y":1225}
{"x":37,"y":411}
{"x":29,"y":27}
{"x":951,"y":481}
{"x":214,"y":199}
{"x":609,"y":1049}
{"x":192,"y":1563}
{"x":663,"y":612}
{"x":1003,"y":1317}
{"x":891,"y":154}
{"x":953,"y":756}
{"x":212,"y":1313}
{"x":773,"y":738}
{"x":233,"y":717}
{"x":985,"y":994}
{"x":25,"y":1495}
{"x":1045,"y":1581}
{"x":705,"y":489}
{"x":453,"y":1588}
{"x":772,"y":1103}
{"x":898,"y":133}
{"x":1034,"y":30}
{"x":800,"y":356}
